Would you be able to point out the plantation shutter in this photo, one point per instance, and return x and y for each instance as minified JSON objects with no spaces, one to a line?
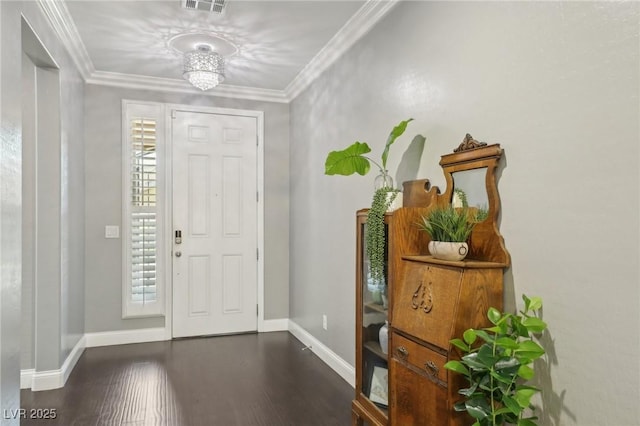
{"x":143,"y":210}
{"x":142,"y":214}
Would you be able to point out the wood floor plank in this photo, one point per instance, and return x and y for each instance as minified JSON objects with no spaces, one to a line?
{"x":245,"y":380}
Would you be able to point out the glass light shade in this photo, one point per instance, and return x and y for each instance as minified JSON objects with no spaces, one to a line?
{"x":203,"y":68}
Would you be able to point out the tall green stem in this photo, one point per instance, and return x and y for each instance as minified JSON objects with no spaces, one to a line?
{"x":493,"y":407}
{"x":382,"y":169}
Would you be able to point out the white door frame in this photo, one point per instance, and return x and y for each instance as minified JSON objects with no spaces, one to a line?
{"x":259,"y":116}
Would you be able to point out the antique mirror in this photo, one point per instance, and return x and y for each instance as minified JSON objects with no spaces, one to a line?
{"x":469,"y":189}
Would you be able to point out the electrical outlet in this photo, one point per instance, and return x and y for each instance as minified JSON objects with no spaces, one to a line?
{"x":324,"y":322}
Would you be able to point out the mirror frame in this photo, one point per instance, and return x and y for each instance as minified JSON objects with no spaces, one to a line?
{"x":486,"y":242}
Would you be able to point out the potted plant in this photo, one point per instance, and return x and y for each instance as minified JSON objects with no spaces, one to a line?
{"x":450,"y":228}
{"x":353,"y":160}
{"x":497,"y":362}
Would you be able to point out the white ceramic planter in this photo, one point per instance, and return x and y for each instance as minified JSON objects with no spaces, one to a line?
{"x":397,"y":202}
{"x":448,"y":251}
{"x":383,"y":338}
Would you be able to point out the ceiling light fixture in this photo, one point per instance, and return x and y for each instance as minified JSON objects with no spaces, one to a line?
{"x":203,"y":67}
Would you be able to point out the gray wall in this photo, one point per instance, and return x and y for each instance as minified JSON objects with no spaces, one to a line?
{"x":10,"y":208}
{"x":29,"y":116}
{"x":48,"y":208}
{"x":65,"y":316}
{"x":556,"y":84}
{"x":103,"y":176}
{"x":73,"y":203}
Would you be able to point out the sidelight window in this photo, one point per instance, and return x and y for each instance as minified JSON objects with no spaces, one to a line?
{"x":143,"y":201}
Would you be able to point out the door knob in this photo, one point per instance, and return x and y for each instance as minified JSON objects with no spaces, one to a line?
{"x":178,"y":253}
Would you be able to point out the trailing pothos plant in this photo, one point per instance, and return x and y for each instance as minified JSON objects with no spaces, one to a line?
{"x":353,"y":160}
{"x":497,"y":363}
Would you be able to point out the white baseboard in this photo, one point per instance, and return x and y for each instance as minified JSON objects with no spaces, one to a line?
{"x":72,"y":359}
{"x":125,"y":337}
{"x":52,"y":379}
{"x":273,"y":325}
{"x":47,"y":380}
{"x":339,"y":365}
{"x":26,"y":378}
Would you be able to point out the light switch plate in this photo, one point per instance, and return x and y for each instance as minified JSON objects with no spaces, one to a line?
{"x":112,"y":231}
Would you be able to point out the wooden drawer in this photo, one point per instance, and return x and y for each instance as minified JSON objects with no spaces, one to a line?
{"x":416,"y":400}
{"x":424,"y":302}
{"x":422,"y":359}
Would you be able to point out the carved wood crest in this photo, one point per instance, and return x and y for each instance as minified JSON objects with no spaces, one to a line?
{"x":423,"y":298}
{"x":469,"y":143}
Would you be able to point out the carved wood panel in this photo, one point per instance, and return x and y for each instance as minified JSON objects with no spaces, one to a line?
{"x":424,"y":299}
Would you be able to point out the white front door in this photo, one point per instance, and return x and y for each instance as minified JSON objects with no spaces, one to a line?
{"x":215,"y":212}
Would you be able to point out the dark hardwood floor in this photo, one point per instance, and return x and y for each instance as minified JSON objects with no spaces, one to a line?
{"x":245,"y":380}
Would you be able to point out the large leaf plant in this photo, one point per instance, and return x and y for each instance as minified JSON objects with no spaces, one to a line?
{"x":353,"y":159}
{"x":497,"y":362}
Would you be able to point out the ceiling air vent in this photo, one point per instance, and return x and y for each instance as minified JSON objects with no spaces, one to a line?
{"x":211,"y":6}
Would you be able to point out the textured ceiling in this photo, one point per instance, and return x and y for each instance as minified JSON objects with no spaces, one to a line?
{"x":275,"y":39}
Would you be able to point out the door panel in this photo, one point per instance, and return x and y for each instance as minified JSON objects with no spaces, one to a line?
{"x":199,"y":195}
{"x":215,"y":207}
{"x":232,"y":279}
{"x":232,"y":202}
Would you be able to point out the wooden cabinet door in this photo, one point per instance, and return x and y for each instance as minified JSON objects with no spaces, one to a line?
{"x":424,"y":302}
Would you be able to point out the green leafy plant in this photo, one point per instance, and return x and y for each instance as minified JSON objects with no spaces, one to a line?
{"x":498,"y":367}
{"x":374,"y":235}
{"x":353,"y":159}
{"x":450,"y":224}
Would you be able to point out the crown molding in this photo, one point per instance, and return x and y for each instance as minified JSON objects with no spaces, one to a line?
{"x":60,"y":19}
{"x":144,"y":82}
{"x":355,"y":28}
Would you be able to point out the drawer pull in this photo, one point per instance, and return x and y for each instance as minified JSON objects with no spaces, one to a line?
{"x":431,"y":368}
{"x":402,"y":352}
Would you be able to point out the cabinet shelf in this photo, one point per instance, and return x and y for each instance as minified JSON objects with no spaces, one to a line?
{"x":467,"y":263}
{"x":375,"y":348}
{"x":374,"y":307}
